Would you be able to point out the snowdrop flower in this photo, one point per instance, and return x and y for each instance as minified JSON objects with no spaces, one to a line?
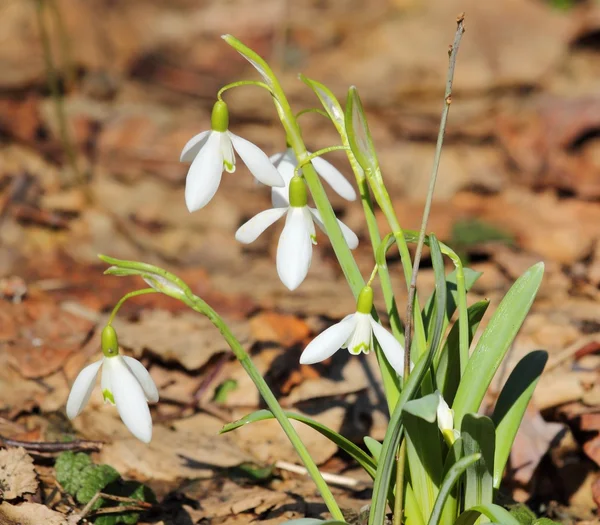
{"x":212,"y":151}
{"x":125,"y":383}
{"x":294,"y":251}
{"x":445,"y":421}
{"x":286,"y":163}
{"x":355,"y":332}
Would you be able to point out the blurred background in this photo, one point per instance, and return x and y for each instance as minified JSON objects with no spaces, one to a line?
{"x":98,"y":97}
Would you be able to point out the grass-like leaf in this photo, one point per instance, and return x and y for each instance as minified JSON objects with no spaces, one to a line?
{"x":493,"y":512}
{"x":449,"y":481}
{"x":447,"y":368}
{"x":495,"y":341}
{"x":478,"y":435}
{"x":511,"y":406}
{"x":362,"y":458}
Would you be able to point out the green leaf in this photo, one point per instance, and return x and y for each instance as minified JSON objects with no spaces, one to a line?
{"x":494,"y":512}
{"x":69,"y":468}
{"x":359,"y":136}
{"x":447,"y":371}
{"x":386,"y":464}
{"x":471,"y":277}
{"x":95,"y":479}
{"x":330,"y":103}
{"x":495,"y":341}
{"x":449,"y":481}
{"x":424,"y":407}
{"x":478,"y":435}
{"x":254,"y":58}
{"x":314,"y":521}
{"x":511,"y":406}
{"x":363,"y":459}
{"x":223,"y":390}
{"x":374,"y":447}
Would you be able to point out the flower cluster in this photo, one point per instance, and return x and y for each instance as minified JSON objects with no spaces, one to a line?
{"x":211,"y":152}
{"x":125,"y":381}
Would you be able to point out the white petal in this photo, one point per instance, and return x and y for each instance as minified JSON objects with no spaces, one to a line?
{"x":129,"y":398}
{"x":294,"y":251}
{"x":193,"y":146}
{"x":445,"y":415}
{"x":349,"y":235}
{"x":334,"y":178}
{"x":82,"y":389}
{"x":391,"y":347}
{"x":249,"y":231}
{"x":361,"y":340}
{"x":310,"y":224}
{"x":144,"y":378}
{"x":285,"y":163}
{"x":227,"y":152}
{"x":257,"y":161}
{"x":328,"y":342}
{"x":204,"y":175}
{"x":106,"y":386}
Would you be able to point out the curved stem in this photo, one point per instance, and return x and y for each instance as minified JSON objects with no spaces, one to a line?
{"x":312,"y":110}
{"x":202,"y":307}
{"x":317,"y":154}
{"x":241,"y":83}
{"x":144,"y":291}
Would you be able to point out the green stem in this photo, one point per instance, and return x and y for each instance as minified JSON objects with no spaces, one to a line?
{"x":400,"y":468}
{"x":241,"y":83}
{"x":124,"y":298}
{"x":63,"y":129}
{"x":312,"y":110}
{"x":202,"y":307}
{"x":319,"y":153}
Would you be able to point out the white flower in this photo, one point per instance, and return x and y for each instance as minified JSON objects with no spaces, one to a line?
{"x":212,"y":151}
{"x":125,"y":383}
{"x":445,"y":421}
{"x":294,"y":251}
{"x":355,"y":332}
{"x":286,"y":163}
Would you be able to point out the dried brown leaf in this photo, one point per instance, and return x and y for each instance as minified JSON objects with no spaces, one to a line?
{"x":17,"y":475}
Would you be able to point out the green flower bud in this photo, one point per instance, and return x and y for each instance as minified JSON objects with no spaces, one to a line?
{"x":220,"y":117}
{"x":364,"y":305}
{"x":110,"y":343}
{"x":298,"y":195}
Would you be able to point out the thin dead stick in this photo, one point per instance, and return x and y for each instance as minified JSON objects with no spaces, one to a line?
{"x":453,"y":52}
{"x":334,"y":479}
{"x":46,"y":446}
{"x":136,"y":505}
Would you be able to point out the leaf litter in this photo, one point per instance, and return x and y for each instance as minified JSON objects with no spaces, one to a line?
{"x":522,"y":161}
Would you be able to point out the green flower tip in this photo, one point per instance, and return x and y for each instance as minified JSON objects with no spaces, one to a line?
{"x":364,"y":305}
{"x":220,"y":117}
{"x":110,"y":343}
{"x":298,"y":195}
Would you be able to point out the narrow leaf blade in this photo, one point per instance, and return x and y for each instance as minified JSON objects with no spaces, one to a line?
{"x":495,"y":341}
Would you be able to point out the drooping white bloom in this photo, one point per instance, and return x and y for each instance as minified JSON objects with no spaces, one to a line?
{"x":355,"y":332}
{"x":125,"y":383}
{"x":294,"y":251}
{"x":286,"y":163}
{"x":212,"y":151}
{"x":445,"y":421}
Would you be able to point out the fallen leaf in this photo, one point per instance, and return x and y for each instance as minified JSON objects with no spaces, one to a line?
{"x":188,"y":338}
{"x":30,"y":514}
{"x":531,"y":444}
{"x":17,"y":475}
{"x":287,"y":330}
